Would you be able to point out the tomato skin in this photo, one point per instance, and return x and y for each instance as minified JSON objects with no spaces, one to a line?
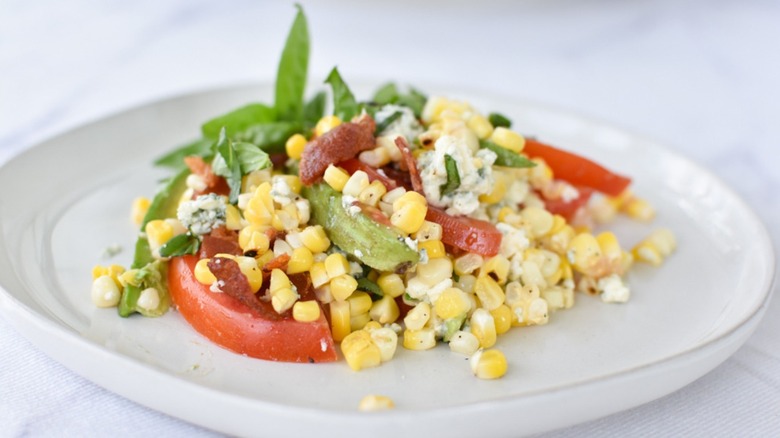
{"x":468,"y":234}
{"x":569,"y":209}
{"x":577,"y":170}
{"x":232,"y":325}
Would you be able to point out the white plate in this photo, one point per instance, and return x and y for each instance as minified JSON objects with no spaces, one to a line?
{"x":68,"y":198}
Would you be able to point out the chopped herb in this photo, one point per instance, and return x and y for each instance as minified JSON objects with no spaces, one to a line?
{"x":453,"y":178}
{"x":506,"y":157}
{"x":387,"y":122}
{"x":497,"y":119}
{"x":369,"y":286}
{"x":182,"y":244}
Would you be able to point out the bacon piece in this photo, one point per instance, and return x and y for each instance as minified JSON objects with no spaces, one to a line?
{"x":340,"y":143}
{"x":214,"y":183}
{"x":220,"y":241}
{"x":278,"y":262}
{"x":400,"y":141}
{"x":233,"y":282}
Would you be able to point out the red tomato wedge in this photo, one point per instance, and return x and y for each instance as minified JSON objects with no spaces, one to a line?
{"x":353,"y":165}
{"x":577,"y":170}
{"x":468,"y":234}
{"x":568,"y":209}
{"x":229,"y":323}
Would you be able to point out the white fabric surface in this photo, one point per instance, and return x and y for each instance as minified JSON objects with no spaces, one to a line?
{"x":700,"y":76}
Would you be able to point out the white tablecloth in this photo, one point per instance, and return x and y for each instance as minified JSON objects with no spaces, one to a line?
{"x":700,"y":76}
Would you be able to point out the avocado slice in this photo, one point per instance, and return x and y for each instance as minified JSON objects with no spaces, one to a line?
{"x":374,"y":244}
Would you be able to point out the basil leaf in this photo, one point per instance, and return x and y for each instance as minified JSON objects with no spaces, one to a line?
{"x":386,"y":94}
{"x":293,"y":67}
{"x":251,"y":157}
{"x":227,"y":165}
{"x":175,"y":158}
{"x":238,"y":120}
{"x":269,"y":137}
{"x":453,"y":178}
{"x":387,"y":122}
{"x":497,"y":120}
{"x":166,"y":201}
{"x":506,"y":157}
{"x":180,"y":245}
{"x":415,"y":100}
{"x":314,"y":109}
{"x":369,"y":286}
{"x":344,"y":104}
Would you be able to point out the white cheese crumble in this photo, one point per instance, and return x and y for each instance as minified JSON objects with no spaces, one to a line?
{"x":514,"y":240}
{"x":474,"y":169}
{"x":405,"y":125}
{"x":613,"y":290}
{"x":281,"y":191}
{"x":202,"y":214}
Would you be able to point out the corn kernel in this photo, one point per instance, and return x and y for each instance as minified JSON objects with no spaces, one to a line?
{"x":359,"y":303}
{"x":357,"y":322}
{"x":260,"y":208}
{"x":253,"y":237}
{"x":418,"y":316}
{"x":376,"y":157}
{"x":339,"y":320}
{"x":294,"y":146}
{"x":489,"y":293}
{"x":466,"y":283}
{"x":105,"y":292}
{"x":418,"y":340}
{"x":283,"y":299}
{"x":158,"y":232}
{"x":251,"y":271}
{"x":391,"y":284}
{"x":434,"y":271}
{"x":336,"y":264}
{"x":314,"y":238}
{"x":498,"y":191}
{"x":502,"y":317}
{"x":532,"y":275}
{"x":306,"y":311}
{"x":483,"y":326}
{"x":508,"y":139}
{"x":356,"y":184}
{"x":538,"y":220}
{"x":480,"y":125}
{"x":360,"y":351}
{"x":301,"y":260}
{"x":558,"y":297}
{"x":451,"y":303}
{"x":663,"y":240}
{"x":319,"y":275}
{"x":342,"y":287}
{"x":384,"y":310}
{"x":464,"y":343}
{"x":434,"y":249}
{"x":408,"y":198}
{"x":113,"y":271}
{"x":279,"y":280}
{"x":639,"y":209}
{"x":325,"y":124}
{"x":428,"y":231}
{"x":488,"y":364}
{"x":372,"y":194}
{"x":496,"y":267}
{"x":139,"y":208}
{"x":387,"y":341}
{"x":252,"y":180}
{"x":336,"y":177}
{"x":468,"y":263}
{"x":372,"y":403}
{"x":583,"y":252}
{"x":646,"y":252}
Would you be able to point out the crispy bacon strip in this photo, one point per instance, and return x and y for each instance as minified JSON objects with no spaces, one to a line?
{"x":234,"y":283}
{"x":220,"y":241}
{"x":214,"y":183}
{"x":340,"y":143}
{"x":400,"y":141}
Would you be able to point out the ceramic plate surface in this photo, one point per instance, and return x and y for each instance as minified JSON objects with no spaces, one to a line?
{"x":70,"y":199}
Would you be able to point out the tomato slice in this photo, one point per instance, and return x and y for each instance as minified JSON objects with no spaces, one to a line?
{"x":569,"y":209}
{"x":230,"y":324}
{"x":468,"y":234}
{"x":353,"y":165}
{"x":577,"y":170}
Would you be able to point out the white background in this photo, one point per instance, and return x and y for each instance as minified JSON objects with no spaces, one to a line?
{"x":698,"y":76}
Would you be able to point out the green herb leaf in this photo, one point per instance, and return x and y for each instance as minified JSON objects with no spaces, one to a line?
{"x":506,"y":157}
{"x":180,"y":245}
{"x":227,"y":165}
{"x":453,"y":178}
{"x":269,"y":137}
{"x":386,"y":94}
{"x":389,"y":94}
{"x":497,"y":120}
{"x":251,"y":157}
{"x":387,"y":122}
{"x":369,"y":286}
{"x":238,"y":120}
{"x":314,"y":109}
{"x":293,"y":68}
{"x":175,"y":158}
{"x":344,"y":104}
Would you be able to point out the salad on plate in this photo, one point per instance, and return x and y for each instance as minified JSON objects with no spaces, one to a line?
{"x":291,"y":230}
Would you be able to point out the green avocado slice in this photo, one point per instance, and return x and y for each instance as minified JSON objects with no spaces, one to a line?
{"x":374,"y":244}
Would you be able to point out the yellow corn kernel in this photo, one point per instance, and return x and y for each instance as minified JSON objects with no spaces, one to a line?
{"x":342,"y":287}
{"x":433,"y":248}
{"x":252,"y":180}
{"x":480,"y":125}
{"x":468,"y":263}
{"x":279,"y":280}
{"x":306,"y":311}
{"x":504,"y":213}
{"x":314,"y":238}
{"x":452,"y":303}
{"x":372,"y":194}
{"x":336,"y":177}
{"x":384,"y":310}
{"x":371,"y":403}
{"x":508,"y":139}
{"x":418,"y":340}
{"x":434,"y":271}
{"x":251,"y":271}
{"x":360,"y":351}
{"x":357,"y":322}
{"x":488,"y":364}
{"x":260,"y":208}
{"x":253,"y":237}
{"x":646,"y":252}
{"x":339,"y":320}
{"x":319,"y":275}
{"x":384,"y":338}
{"x":584,"y":252}
{"x":466,"y":283}
{"x":372,"y":325}
{"x":502,"y":317}
{"x":538,"y":220}
{"x":158,"y":232}
{"x":391,"y":284}
{"x":301,"y":260}
{"x":264,"y":258}
{"x":409,"y":198}
{"x":496,"y":267}
{"x":489,"y":292}
{"x":294,"y":146}
{"x":418,"y":316}
{"x":609,"y":245}
{"x":359,"y":303}
{"x":663,"y":240}
{"x":105,"y":292}
{"x":113,"y":271}
{"x":325,"y":124}
{"x":376,"y":157}
{"x":558,"y":297}
{"x":409,"y":218}
{"x":336,"y":264}
{"x":428,"y":231}
{"x":483,"y":326}
{"x":356,"y":183}
{"x":498,"y":191}
{"x":283,"y":299}
{"x":139,"y":208}
{"x":639,"y":209}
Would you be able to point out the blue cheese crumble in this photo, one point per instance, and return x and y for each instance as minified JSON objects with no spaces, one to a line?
{"x":203,"y":214}
{"x":405,"y":125}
